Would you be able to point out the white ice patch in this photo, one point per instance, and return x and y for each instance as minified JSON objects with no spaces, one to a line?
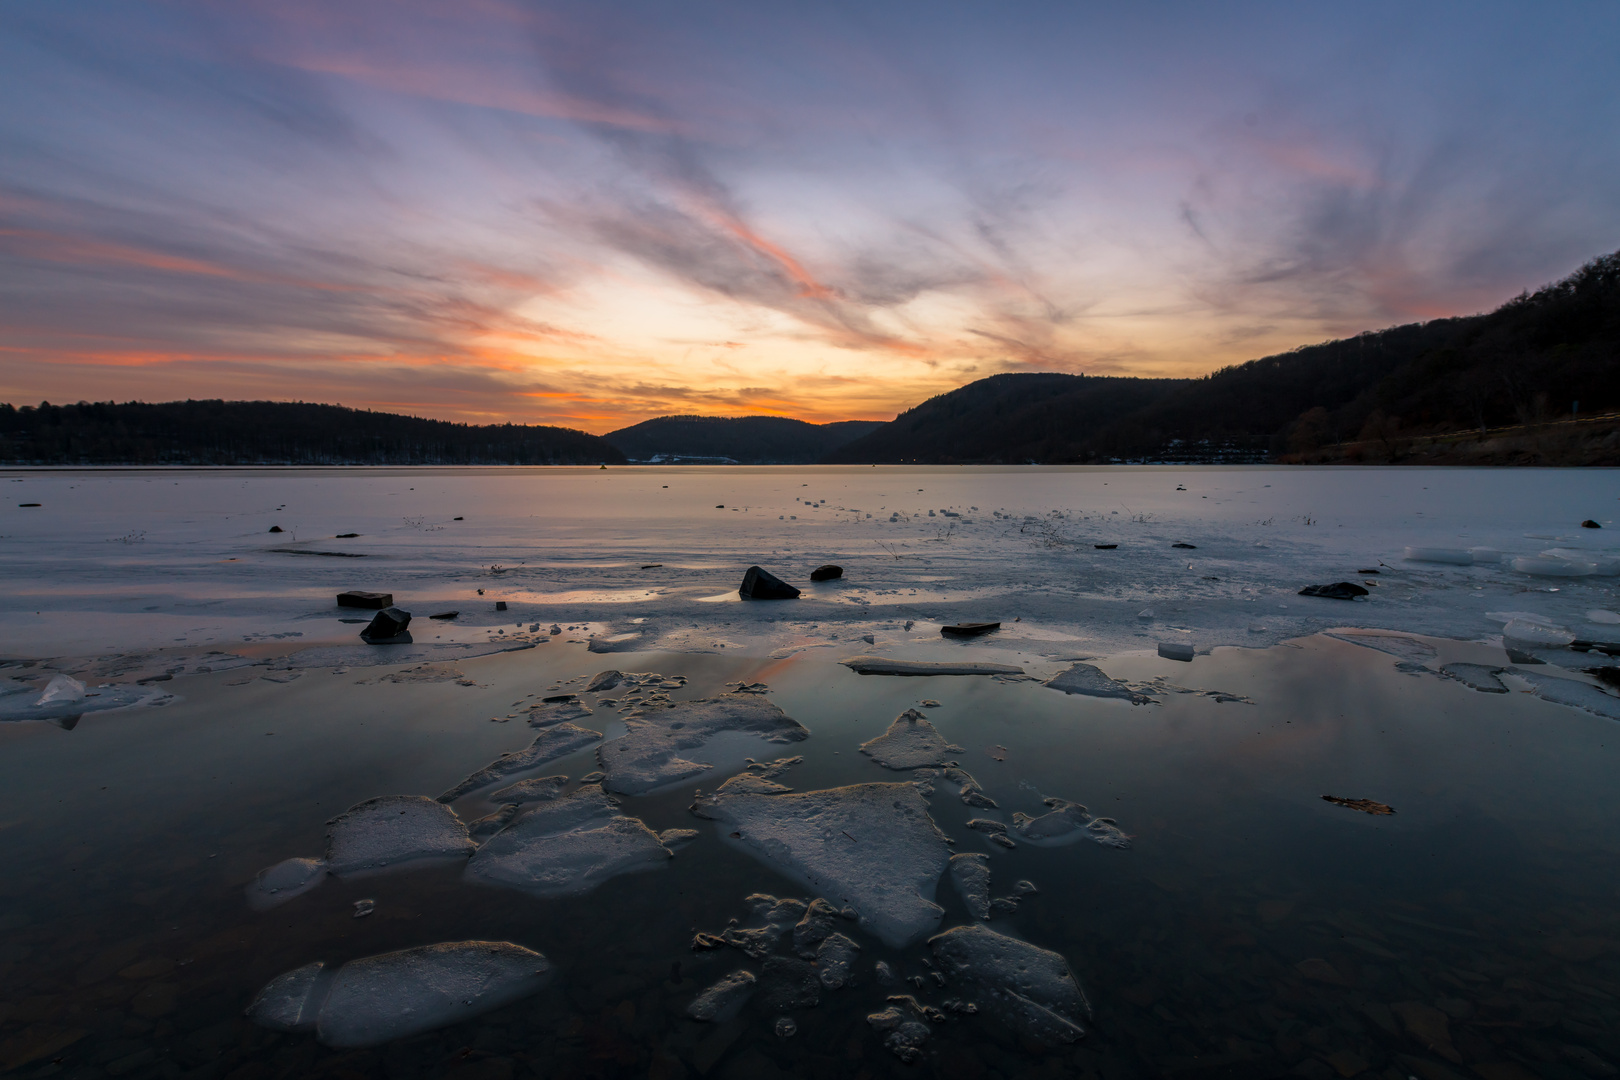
{"x":1538,"y":634}
{"x":1577,"y":695}
{"x":970,"y":874}
{"x":65,"y":699}
{"x":384,"y":832}
{"x":879,"y":665}
{"x":1090,"y":681}
{"x":381,"y":998}
{"x":649,"y":754}
{"x":62,"y":688}
{"x":871,"y":847}
{"x":1603,"y":617}
{"x":568,"y":847}
{"x":1028,"y":988}
{"x":553,"y":743}
{"x":278,"y":884}
{"x":911,"y":743}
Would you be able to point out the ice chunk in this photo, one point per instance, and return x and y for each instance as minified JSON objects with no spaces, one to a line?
{"x":871,"y":847}
{"x":648,"y":754}
{"x":1485,"y":556}
{"x":835,"y":961}
{"x":549,"y":745}
{"x":539,"y":789}
{"x":1029,"y":988}
{"x":393,"y":829}
{"x":910,"y":743}
{"x":724,"y":999}
{"x":567,"y":847}
{"x":1603,"y":616}
{"x":1176,"y":650}
{"x":481,"y":829}
{"x":279,"y":883}
{"x":552,"y":713}
{"x":291,"y":1001}
{"x":675,"y":838}
{"x":62,"y":689}
{"x":878,"y":665}
{"x":1538,"y":634}
{"x":1407,"y":648}
{"x":810,"y":931}
{"x":1602,"y":565}
{"x":1524,"y":616}
{"x":1456,"y":556}
{"x":905,"y":1038}
{"x":1577,"y":695}
{"x":1542,"y":566}
{"x":1065,"y":823}
{"x":970,"y":792}
{"x":398,"y":994}
{"x":603,"y":680}
{"x":1479,"y":677}
{"x":1090,"y":681}
{"x":971,"y":876}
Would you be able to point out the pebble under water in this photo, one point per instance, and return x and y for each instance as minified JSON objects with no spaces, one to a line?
{"x":1250,"y":928}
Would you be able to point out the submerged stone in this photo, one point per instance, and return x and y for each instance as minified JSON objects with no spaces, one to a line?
{"x":553,"y":743}
{"x":1029,"y":988}
{"x":971,"y":876}
{"x":910,"y":743}
{"x":393,"y":829}
{"x":567,"y":846}
{"x":649,"y":754}
{"x":870,"y":847}
{"x":724,"y":999}
{"x":280,"y":883}
{"x":881,"y":665}
{"x":397,"y":994}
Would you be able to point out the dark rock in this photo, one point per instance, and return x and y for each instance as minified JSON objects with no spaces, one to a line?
{"x":387,"y":625}
{"x":969,"y":629}
{"x":826,"y":573}
{"x":1590,"y":524}
{"x":26,"y":505}
{"x":458,"y":519}
{"x":500,"y":605}
{"x":1339,"y":590}
{"x":759,"y":584}
{"x":275,"y":528}
{"x":345,"y":536}
{"x":1105,"y":547}
{"x":1189,"y":547}
{"x":356,"y":598}
{"x":445,"y":615}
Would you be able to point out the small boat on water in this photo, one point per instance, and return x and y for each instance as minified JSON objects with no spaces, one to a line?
{"x":969,"y":629}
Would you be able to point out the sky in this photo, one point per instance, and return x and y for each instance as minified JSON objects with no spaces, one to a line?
{"x":593,"y":213}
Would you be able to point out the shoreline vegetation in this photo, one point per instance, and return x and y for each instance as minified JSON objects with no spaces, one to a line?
{"x":1534,"y":382}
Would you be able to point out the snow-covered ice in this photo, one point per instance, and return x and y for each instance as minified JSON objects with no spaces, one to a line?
{"x":970,"y":873}
{"x":1029,"y":988}
{"x":554,"y":742}
{"x":1089,"y":680}
{"x":911,"y":742}
{"x":384,"y":832}
{"x":649,"y":754}
{"x":568,"y":846}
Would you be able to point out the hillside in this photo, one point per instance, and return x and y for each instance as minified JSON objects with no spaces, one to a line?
{"x":1374,"y":397}
{"x":745,"y":440}
{"x":275,"y":433}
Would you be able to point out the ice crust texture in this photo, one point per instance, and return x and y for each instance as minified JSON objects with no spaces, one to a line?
{"x":970,"y":873}
{"x":552,"y":743}
{"x":1089,"y":680}
{"x":1028,"y":988}
{"x":872,"y":847}
{"x":648,"y":755}
{"x":1066,"y":823}
{"x":377,"y":999}
{"x":911,"y":743}
{"x":389,"y":830}
{"x":567,"y":846}
{"x":282,"y":882}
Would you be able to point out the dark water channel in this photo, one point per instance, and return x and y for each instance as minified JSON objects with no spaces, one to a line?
{"x":1252,"y":930}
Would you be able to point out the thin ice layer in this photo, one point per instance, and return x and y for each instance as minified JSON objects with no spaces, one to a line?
{"x":1029,"y":988}
{"x":393,"y":829}
{"x":553,"y":743}
{"x":871,"y":847}
{"x":398,"y":994}
{"x":292,"y":1000}
{"x":649,"y":754}
{"x":1066,"y":823}
{"x":971,"y":876}
{"x":910,"y":743}
{"x":278,"y":884}
{"x":539,"y":789}
{"x":567,"y":847}
{"x":66,"y":704}
{"x":1407,"y":648}
{"x":1577,"y":695}
{"x":724,"y":999}
{"x":1089,"y":680}
{"x":879,"y":665}
{"x":1481,"y":677}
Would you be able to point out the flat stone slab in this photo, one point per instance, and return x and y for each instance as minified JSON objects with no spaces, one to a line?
{"x":881,"y":665}
{"x":567,"y":847}
{"x":869,"y":847}
{"x":651,"y":752}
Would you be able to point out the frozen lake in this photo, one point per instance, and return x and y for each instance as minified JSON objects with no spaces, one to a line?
{"x":1249,"y":928}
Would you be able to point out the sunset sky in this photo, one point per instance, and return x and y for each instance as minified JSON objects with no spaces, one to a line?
{"x":593,"y":213}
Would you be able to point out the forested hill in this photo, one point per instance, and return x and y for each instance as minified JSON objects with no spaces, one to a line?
{"x":1380,"y":396}
{"x":275,"y":433}
{"x":746,"y":440}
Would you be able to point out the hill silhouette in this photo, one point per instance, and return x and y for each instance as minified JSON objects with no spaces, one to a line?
{"x":746,"y":440}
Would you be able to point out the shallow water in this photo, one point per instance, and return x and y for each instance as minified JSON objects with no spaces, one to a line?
{"x":1252,"y":929}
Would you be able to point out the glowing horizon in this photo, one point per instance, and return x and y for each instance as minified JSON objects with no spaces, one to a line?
{"x":583,"y":215}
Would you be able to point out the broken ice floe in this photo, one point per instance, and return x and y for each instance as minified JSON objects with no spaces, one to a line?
{"x":539,"y":789}
{"x":995,"y":830}
{"x":1577,"y":695}
{"x":970,"y":873}
{"x":871,"y":847}
{"x":481,"y":829}
{"x":911,"y":743}
{"x":551,"y":744}
{"x":1481,"y":677}
{"x":1065,"y":823}
{"x":552,"y":713}
{"x":648,"y":754}
{"x":393,"y":829}
{"x":1090,"y":681}
{"x":280,"y":883}
{"x":1407,"y":648}
{"x":878,"y":665}
{"x":1026,"y":987}
{"x":904,"y":1035}
{"x":603,"y":680}
{"x":567,"y":846}
{"x":970,"y":792}
{"x":1536,"y":634}
{"x":724,"y":999}
{"x":65,"y":699}
{"x":397,"y":994}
